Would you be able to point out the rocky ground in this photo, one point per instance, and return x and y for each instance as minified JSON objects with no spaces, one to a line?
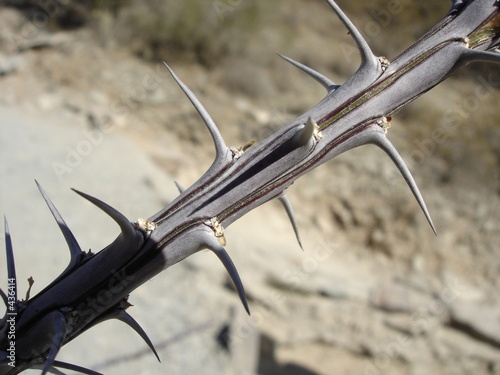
{"x":373,"y":292}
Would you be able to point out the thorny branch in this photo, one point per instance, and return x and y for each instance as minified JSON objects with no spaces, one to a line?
{"x":239,"y":180}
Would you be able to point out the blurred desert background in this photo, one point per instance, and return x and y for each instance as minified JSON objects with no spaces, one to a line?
{"x":86,"y":102}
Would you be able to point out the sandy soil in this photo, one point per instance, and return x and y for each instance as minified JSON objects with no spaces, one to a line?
{"x":374,"y":291}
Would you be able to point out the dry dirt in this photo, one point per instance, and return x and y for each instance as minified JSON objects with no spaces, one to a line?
{"x":373,"y":292}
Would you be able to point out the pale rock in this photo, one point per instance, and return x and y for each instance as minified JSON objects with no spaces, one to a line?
{"x":157,"y":97}
{"x":451,"y":342}
{"x":9,"y":64}
{"x":43,"y":39}
{"x":98,"y":98}
{"x":479,"y":321}
{"x":48,"y":101}
{"x":396,"y":297}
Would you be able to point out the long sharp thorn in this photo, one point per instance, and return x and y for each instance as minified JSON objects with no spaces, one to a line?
{"x":179,"y":187}
{"x":291,"y":215}
{"x":367,"y":56}
{"x":230,"y":268}
{"x":484,"y":56}
{"x":57,"y":341}
{"x":220,"y":145}
{"x":126,"y":318}
{"x":328,"y":84}
{"x":74,"y":247}
{"x":382,"y":142}
{"x":11,"y":265}
{"x":126,"y":226}
{"x":75,"y":368}
{"x":122,"y":315}
{"x":233,"y":273}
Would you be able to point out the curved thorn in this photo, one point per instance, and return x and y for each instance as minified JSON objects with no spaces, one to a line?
{"x":328,"y":84}
{"x":120,"y":314}
{"x":74,"y":247}
{"x":179,"y":187}
{"x":367,"y":56}
{"x":126,"y":226}
{"x":304,"y":134}
{"x":481,"y":56}
{"x":11,"y":264}
{"x":57,"y":341}
{"x":75,"y":368}
{"x":213,"y":244}
{"x":291,"y":215}
{"x":233,"y":273}
{"x":126,"y":318}
{"x":382,"y":142}
{"x":220,"y":146}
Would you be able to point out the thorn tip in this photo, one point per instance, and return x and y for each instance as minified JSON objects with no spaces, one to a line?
{"x":127,"y":228}
{"x":74,"y":247}
{"x":210,"y":243}
{"x":381,"y":141}
{"x":328,"y":84}
{"x":368,"y":59}
{"x":220,"y":146}
{"x":291,"y":216}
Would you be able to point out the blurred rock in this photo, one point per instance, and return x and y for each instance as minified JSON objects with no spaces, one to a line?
{"x":479,"y":321}
{"x":396,"y":298}
{"x":43,"y":39}
{"x":373,"y":291}
{"x":9,"y":64}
